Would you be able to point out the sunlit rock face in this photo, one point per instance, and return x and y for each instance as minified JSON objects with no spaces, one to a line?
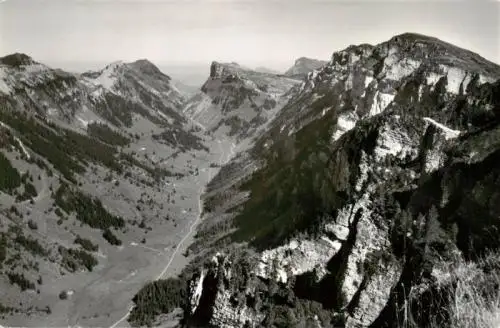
{"x":237,"y":102}
{"x":356,"y":190}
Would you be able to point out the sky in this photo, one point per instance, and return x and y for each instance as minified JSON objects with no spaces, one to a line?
{"x":186,"y":35}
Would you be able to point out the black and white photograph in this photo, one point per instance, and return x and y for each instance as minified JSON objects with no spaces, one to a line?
{"x":250,"y":163}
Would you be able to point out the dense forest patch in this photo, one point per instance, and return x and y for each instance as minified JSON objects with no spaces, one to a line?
{"x":105,"y":134}
{"x":88,"y":210}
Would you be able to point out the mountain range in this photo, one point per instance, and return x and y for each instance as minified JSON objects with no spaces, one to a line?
{"x":362,"y":191}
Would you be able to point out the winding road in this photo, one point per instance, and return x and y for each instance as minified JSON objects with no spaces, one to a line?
{"x":224,"y":158}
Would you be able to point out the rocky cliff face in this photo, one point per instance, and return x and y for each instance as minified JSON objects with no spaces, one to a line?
{"x":236,"y":102}
{"x":378,"y":172}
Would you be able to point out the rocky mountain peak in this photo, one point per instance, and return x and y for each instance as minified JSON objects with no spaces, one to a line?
{"x":143,"y":62}
{"x":20,"y":71}
{"x":426,"y":51}
{"x":237,"y":101}
{"x":17,"y":59}
{"x":411,"y":37}
{"x":114,"y":65}
{"x":304,"y":65}
{"x":114,"y":93}
{"x":144,"y":66}
{"x":409,"y":56}
{"x":119,"y":72}
{"x":434,"y":52}
{"x":305,"y":61}
{"x":119,"y":67}
{"x":351,"y":54}
{"x":406,"y":41}
{"x":105,"y":77}
{"x":263,"y":69}
{"x":219,"y":70}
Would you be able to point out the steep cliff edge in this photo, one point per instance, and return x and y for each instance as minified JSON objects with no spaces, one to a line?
{"x":375,"y":186}
{"x":236,"y":102}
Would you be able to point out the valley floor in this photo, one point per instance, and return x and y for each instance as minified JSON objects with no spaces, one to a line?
{"x":102,"y":298}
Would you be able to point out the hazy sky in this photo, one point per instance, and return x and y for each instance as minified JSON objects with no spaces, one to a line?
{"x":78,"y":33}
